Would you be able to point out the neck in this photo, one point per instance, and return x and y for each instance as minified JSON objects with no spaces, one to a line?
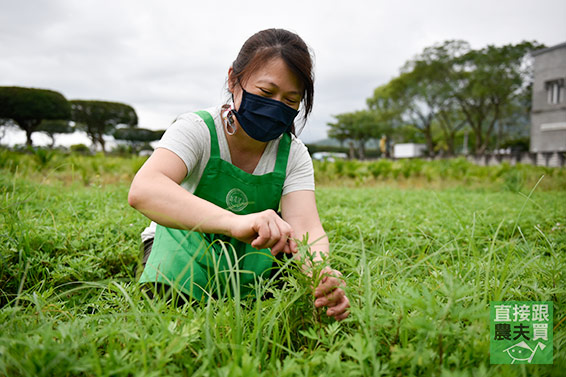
{"x":240,"y":141}
{"x":245,"y":151}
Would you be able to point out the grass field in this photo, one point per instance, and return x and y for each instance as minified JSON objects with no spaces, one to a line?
{"x":423,"y":251}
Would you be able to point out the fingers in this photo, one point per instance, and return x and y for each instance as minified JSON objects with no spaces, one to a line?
{"x":291,"y":244}
{"x":286,"y":242}
{"x":339,"y":311}
{"x":273,"y":232}
{"x":329,"y":299}
{"x":263,"y":235}
{"x":328,"y":284}
{"x":281,"y":245}
{"x":267,"y":231}
{"x":329,"y":294}
{"x":337,"y":304}
{"x":342,"y":316}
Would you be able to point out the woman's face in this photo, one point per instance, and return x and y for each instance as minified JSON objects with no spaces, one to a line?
{"x":272,"y":80}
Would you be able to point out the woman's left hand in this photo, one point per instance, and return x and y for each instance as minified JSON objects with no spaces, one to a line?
{"x":329,"y":293}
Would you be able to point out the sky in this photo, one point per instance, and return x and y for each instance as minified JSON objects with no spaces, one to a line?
{"x":166,"y":57}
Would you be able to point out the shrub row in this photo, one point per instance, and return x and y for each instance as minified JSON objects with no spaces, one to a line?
{"x":100,"y":168}
{"x":457,"y":170}
{"x":67,"y":167}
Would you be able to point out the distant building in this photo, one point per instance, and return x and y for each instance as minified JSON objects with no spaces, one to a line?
{"x":329,"y":156}
{"x":409,"y":150}
{"x":548,"y":117}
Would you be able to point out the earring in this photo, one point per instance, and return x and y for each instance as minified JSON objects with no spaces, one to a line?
{"x":229,"y":122}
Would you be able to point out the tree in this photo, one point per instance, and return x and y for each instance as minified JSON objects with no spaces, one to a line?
{"x":451,"y":121}
{"x":451,"y":86}
{"x":516,"y":119}
{"x":488,"y":83}
{"x":100,"y":118}
{"x":421,"y":93}
{"x":28,"y":107}
{"x":418,"y":107}
{"x":137,"y":136}
{"x":359,"y":127}
{"x":434,"y":66}
{"x":389,"y":111}
{"x":52,"y":127}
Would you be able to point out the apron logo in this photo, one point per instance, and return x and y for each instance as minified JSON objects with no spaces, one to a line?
{"x":236,"y":200}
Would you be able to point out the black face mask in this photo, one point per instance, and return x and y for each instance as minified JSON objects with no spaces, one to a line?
{"x":264,"y":119}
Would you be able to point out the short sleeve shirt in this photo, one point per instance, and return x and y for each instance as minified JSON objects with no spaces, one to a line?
{"x":189,"y":138}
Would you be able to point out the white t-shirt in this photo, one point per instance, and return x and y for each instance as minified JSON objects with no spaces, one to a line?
{"x":189,"y":138}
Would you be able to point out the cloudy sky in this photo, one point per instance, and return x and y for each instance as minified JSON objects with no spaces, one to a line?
{"x":168,"y":57}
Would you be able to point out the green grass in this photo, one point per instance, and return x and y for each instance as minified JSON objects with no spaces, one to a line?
{"x":421,"y":266}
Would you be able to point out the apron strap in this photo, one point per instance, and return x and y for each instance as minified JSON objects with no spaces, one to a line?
{"x":283,"y":155}
{"x":214,"y":148}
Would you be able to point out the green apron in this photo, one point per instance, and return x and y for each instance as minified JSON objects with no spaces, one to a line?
{"x":195,"y":262}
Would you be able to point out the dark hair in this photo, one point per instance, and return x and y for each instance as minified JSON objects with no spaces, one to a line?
{"x":278,"y":43}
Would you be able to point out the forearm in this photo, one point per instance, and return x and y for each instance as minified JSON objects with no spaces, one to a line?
{"x":298,"y":208}
{"x":168,"y":204}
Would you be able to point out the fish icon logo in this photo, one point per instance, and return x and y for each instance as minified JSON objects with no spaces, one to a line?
{"x":522,"y":352}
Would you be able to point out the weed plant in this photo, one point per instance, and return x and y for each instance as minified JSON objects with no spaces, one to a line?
{"x":421,"y":266}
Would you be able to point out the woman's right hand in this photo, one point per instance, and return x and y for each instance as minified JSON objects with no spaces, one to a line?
{"x":263,"y":230}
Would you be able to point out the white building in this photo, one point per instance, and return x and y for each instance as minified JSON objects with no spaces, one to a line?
{"x":409,"y":150}
{"x":548,"y":116}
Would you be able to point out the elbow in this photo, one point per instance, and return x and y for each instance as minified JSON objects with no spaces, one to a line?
{"x":134,"y":197}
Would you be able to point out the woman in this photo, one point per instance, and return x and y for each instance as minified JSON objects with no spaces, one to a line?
{"x":221,"y":174}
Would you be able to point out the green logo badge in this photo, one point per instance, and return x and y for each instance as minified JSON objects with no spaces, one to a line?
{"x":521,"y":332}
{"x":236,"y":200}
